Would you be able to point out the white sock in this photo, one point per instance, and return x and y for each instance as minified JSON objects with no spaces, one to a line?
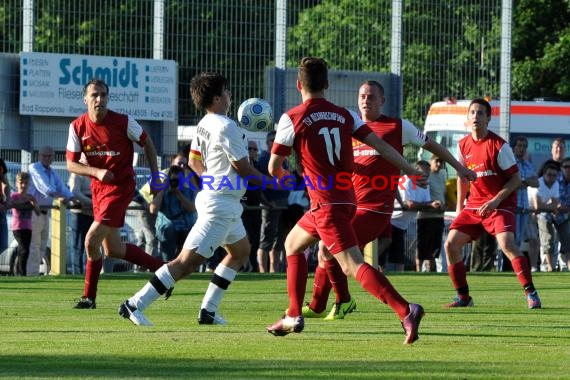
{"x":214,"y":294}
{"x":148,"y":294}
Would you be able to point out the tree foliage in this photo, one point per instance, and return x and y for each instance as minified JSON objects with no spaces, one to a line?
{"x":541,"y":49}
{"x":451,"y":48}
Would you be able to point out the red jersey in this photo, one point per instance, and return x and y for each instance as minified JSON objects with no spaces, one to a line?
{"x":106,"y":145}
{"x":492,"y":159}
{"x":375,"y":179}
{"x":321,"y":133}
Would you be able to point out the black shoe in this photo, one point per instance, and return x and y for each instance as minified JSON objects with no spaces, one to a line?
{"x":168,"y":293}
{"x":210,"y":318}
{"x":85,"y":303}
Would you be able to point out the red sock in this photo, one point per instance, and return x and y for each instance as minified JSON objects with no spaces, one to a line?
{"x":522,"y":270}
{"x":139,"y":257}
{"x":92,"y":273}
{"x":378,"y":285}
{"x":321,"y":290}
{"x":458,"y":275}
{"x":338,"y":280}
{"x":297,"y":273}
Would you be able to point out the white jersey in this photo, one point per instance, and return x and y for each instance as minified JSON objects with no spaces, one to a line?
{"x":218,"y":142}
{"x":410,"y":192}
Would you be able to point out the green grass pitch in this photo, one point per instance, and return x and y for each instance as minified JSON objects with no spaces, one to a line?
{"x":42,"y":337}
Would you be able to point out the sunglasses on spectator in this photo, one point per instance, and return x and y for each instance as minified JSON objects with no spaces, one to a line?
{"x":255,"y":149}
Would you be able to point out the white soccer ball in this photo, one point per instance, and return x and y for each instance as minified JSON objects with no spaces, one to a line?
{"x":255,"y":115}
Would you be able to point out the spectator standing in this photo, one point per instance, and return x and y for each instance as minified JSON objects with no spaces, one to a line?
{"x":4,"y":205}
{"x":533,"y":239}
{"x":106,"y":140}
{"x":391,"y":249}
{"x":430,"y":220}
{"x":558,"y":153}
{"x":547,"y":197}
{"x":146,"y":236}
{"x":176,"y":213}
{"x":558,"y":149}
{"x":483,"y":253}
{"x":251,"y":215}
{"x":561,"y":219}
{"x":491,"y":204}
{"x":528,"y":179}
{"x":271,"y":236}
{"x":415,"y":198}
{"x":23,"y":205}
{"x":46,"y":185}
{"x":81,"y":220}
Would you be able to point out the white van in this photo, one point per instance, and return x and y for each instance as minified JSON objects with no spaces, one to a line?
{"x":539,"y":121}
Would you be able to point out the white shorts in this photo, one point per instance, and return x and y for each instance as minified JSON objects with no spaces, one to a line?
{"x":215,"y":229}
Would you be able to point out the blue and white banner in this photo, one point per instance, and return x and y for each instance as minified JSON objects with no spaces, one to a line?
{"x":52,"y":85}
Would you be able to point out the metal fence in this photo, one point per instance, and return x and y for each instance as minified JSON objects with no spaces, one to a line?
{"x":434,"y":48}
{"x":426,"y":50}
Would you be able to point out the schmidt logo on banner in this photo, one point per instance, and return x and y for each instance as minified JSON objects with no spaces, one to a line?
{"x":52,"y":84}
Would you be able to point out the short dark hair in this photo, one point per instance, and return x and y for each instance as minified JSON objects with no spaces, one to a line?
{"x":520,"y":138}
{"x":559,"y":140}
{"x":423,"y":163}
{"x":482,"y":102}
{"x":3,"y":166}
{"x":205,"y":86}
{"x":313,"y":74}
{"x":549,"y":164}
{"x":175,"y":170}
{"x":374,"y":83}
{"x":95,"y":82}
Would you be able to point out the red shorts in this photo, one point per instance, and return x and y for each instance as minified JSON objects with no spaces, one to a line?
{"x":110,"y":202}
{"x":369,"y":226}
{"x":471,"y":223}
{"x":332,"y":224}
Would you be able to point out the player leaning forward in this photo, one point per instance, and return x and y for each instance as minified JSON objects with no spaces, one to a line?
{"x":491,"y":204}
{"x":321,"y":134}
{"x":218,"y":152}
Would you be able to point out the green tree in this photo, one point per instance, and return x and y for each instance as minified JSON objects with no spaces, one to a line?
{"x":541,"y":49}
{"x":449,"y":49}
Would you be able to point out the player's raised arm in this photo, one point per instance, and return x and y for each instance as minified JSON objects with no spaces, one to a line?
{"x":393,"y":156}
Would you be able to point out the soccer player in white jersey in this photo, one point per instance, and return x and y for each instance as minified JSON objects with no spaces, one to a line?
{"x":219,"y":155}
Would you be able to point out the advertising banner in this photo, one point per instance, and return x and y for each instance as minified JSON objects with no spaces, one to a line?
{"x":52,"y":85}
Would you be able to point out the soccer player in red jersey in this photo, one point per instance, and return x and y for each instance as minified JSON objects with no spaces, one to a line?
{"x":105,"y":138}
{"x":375,"y":182}
{"x":491,"y":204}
{"x":321,"y":134}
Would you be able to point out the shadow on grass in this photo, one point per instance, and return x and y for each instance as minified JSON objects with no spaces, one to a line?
{"x":102,"y":366}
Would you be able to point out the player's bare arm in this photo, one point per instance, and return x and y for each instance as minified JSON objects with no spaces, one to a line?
{"x":102,"y":175}
{"x":443,"y":153}
{"x":395,"y":158}
{"x":275,"y":166}
{"x":196,"y":165}
{"x":461,"y":194}
{"x":245,"y":170}
{"x":150,"y":154}
{"x":512,"y":185}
